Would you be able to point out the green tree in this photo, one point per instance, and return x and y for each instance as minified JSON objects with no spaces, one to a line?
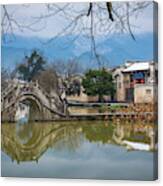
{"x":98,"y":83}
{"x":31,"y":67}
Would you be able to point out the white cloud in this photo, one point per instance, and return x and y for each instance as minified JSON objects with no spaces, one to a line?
{"x":144,"y":22}
{"x":53,"y":25}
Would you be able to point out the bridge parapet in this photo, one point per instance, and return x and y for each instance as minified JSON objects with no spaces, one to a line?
{"x":19,"y":91}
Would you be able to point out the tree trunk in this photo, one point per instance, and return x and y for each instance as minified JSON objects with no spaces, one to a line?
{"x":100,"y":98}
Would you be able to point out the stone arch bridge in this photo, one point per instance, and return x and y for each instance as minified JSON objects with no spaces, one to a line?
{"x":42,"y":105}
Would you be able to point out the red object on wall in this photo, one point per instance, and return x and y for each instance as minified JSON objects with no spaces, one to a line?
{"x":142,"y":81}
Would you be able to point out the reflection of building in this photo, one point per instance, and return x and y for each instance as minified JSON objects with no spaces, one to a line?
{"x":30,"y":141}
{"x":136,"y":81}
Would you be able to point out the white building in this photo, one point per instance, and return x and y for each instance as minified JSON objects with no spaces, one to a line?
{"x":136,"y":81}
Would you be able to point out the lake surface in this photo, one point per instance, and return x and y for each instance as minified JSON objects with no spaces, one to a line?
{"x":83,"y":149}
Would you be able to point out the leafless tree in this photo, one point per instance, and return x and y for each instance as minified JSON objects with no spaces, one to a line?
{"x":9,"y":22}
{"x":4,"y":79}
{"x":67,"y":69}
{"x":48,"y":80}
{"x":69,"y":73}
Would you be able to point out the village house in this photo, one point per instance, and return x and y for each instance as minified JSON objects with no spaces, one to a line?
{"x":75,"y":91}
{"x":136,"y":81}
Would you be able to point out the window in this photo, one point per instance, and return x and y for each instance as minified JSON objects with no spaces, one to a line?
{"x":148,"y":91}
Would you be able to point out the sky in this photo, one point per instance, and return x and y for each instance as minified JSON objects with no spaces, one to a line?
{"x":52,"y":25}
{"x":110,"y":42}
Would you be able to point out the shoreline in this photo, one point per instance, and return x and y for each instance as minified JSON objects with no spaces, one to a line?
{"x":110,"y":116}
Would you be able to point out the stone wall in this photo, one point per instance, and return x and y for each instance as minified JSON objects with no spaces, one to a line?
{"x":145,"y":93}
{"x":118,"y":77}
{"x":85,"y":98}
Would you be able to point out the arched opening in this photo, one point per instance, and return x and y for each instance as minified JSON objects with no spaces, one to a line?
{"x":35,"y":111}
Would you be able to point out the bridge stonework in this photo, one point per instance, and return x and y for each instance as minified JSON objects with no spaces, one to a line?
{"x":43,"y":106}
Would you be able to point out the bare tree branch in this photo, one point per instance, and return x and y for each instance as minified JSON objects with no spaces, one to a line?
{"x":128,"y":21}
{"x":87,"y":20}
{"x":109,"y":7}
{"x":90,"y":8}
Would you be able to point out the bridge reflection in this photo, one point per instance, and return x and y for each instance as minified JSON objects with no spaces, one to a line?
{"x":29,"y":142}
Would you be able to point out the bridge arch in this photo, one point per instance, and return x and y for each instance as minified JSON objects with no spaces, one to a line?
{"x":46,"y":107}
{"x":36,"y":109}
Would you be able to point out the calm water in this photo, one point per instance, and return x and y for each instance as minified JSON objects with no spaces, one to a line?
{"x":77,"y":150}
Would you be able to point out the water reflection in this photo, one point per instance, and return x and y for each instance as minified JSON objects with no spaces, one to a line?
{"x":30,"y":141}
{"x":23,"y":132}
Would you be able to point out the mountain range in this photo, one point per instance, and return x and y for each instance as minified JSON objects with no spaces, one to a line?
{"x":112,"y":50}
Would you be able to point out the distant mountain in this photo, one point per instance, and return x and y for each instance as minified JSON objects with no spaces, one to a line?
{"x":112,"y":50}
{"x":122,"y":48}
{"x":11,"y":56}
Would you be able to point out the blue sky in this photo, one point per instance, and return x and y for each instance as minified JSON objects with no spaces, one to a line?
{"x":114,"y":47}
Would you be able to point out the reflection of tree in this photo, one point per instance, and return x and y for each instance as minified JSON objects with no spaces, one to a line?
{"x":71,"y":139}
{"x":30,"y":142}
{"x":98,"y":133}
{"x":117,"y":133}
